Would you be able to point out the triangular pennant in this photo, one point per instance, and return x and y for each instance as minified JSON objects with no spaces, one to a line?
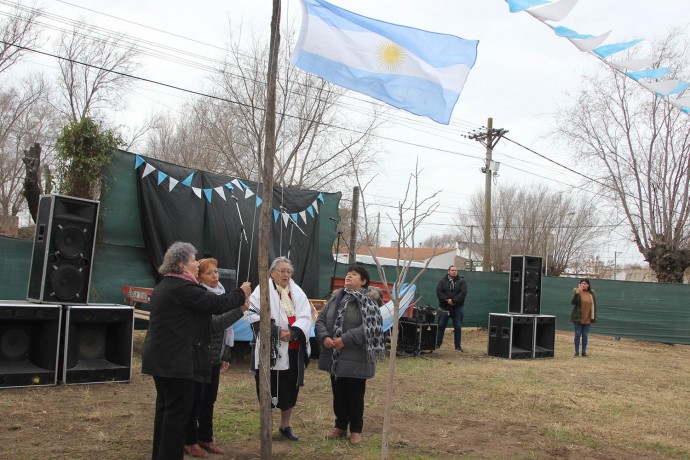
{"x":632,"y":64}
{"x":173,"y":183}
{"x":248,"y":193}
{"x":303,"y":215}
{"x":607,"y":50}
{"x":209,"y":193}
{"x":197,"y":191}
{"x":294,"y":217}
{"x":242,"y":183}
{"x":236,"y":183}
{"x":315,"y":205}
{"x":220,"y":191}
{"x":286,"y":218}
{"x":310,"y":210}
{"x":570,"y":33}
{"x":520,"y":5}
{"x":662,"y":88}
{"x":275,"y":216}
{"x":258,"y":201}
{"x":138,"y":161}
{"x":188,"y":181}
{"x":556,"y":11}
{"x":161,"y":177}
{"x":148,"y":170}
{"x":589,"y":44}
{"x":320,"y":197}
{"x":654,"y":74}
{"x":229,"y":186}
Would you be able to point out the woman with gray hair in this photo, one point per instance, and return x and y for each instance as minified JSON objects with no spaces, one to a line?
{"x":176,"y":349}
{"x":291,"y":324}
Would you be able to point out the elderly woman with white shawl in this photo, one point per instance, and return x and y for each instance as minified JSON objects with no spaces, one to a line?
{"x":291,"y":325}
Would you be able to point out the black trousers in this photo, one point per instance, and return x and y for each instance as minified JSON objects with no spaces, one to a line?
{"x":191,"y":435}
{"x":207,"y":402}
{"x":174,"y":399}
{"x":283,"y":383}
{"x":348,"y":402}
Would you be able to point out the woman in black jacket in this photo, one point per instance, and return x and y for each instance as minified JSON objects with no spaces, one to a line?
{"x":176,"y":350}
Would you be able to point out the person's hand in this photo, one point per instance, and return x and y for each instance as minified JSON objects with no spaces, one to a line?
{"x":328,"y":342}
{"x":246,"y":288}
{"x":338,"y":343}
{"x":285,"y":335}
{"x":224,"y":366}
{"x":450,"y":302}
{"x":577,"y":289}
{"x":245,"y":306}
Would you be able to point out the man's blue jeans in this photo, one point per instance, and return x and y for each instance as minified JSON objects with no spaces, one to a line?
{"x":457,"y":314}
{"x":581,"y":331}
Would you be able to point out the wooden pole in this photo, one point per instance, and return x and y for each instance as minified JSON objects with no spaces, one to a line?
{"x":266,"y":432}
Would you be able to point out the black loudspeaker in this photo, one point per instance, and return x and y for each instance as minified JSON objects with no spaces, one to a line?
{"x":511,"y":336}
{"x":97,"y":344}
{"x":29,"y":344}
{"x":544,"y":336}
{"x":228,"y":278}
{"x":414,"y":337}
{"x":63,"y":250}
{"x":524,"y":294}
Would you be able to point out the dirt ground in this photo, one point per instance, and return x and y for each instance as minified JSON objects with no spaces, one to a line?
{"x":114,"y":421}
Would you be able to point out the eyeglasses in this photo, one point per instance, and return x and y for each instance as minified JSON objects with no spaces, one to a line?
{"x":285,"y":271}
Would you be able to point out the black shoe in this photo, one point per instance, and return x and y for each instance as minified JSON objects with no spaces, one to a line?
{"x":585,"y":355}
{"x":459,"y":349}
{"x":288,"y":433}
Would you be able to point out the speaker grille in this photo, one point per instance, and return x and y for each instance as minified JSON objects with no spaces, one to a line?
{"x":70,"y":241}
{"x":66,"y":282}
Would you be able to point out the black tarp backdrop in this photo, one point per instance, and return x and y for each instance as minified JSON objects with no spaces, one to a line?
{"x":213,"y":226}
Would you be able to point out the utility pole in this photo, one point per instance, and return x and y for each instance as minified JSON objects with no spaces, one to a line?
{"x":488,"y":139}
{"x":352,"y":254}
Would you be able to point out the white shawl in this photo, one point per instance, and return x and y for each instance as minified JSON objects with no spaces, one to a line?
{"x":303,"y":319}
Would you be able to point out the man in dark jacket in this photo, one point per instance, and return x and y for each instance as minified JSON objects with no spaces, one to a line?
{"x":451,"y":292}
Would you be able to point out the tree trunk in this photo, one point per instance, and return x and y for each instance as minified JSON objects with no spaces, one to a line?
{"x":265,"y":238}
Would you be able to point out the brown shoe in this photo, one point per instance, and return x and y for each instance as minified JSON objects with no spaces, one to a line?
{"x":212,"y":447}
{"x":355,"y":438}
{"x":337,"y":433}
{"x":197,"y":451}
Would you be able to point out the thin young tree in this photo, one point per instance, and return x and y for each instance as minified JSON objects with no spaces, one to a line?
{"x":411,"y":211}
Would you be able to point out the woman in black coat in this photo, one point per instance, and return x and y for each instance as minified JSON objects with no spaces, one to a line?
{"x":177,"y":349}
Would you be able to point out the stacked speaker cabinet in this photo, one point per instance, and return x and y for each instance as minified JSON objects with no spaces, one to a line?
{"x":511,"y":336}
{"x":524,"y":293}
{"x":63,"y":250}
{"x":97,"y":343}
{"x":29,"y":344}
{"x":544,"y":336}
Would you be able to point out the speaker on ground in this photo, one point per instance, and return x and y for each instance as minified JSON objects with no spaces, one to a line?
{"x":544,"y":336}
{"x":97,"y":343}
{"x":524,"y":293}
{"x":414,"y":337}
{"x":29,"y":344}
{"x":63,"y":250}
{"x":511,"y":336}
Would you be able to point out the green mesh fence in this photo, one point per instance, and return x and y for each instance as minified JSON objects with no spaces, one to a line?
{"x":646,"y":311}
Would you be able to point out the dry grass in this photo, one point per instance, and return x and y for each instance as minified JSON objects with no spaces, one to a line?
{"x":628,"y":400}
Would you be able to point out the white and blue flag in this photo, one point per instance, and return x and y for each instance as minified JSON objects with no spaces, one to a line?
{"x":412,"y":69}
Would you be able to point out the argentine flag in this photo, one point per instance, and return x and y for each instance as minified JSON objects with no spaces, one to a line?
{"x":415,"y":70}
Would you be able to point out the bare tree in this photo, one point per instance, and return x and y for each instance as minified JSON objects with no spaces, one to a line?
{"x":411,"y":212}
{"x":642,"y":146}
{"x":314,"y":140}
{"x":18,"y":31}
{"x":533,"y":220}
{"x":93,"y":71}
{"x":26,"y":117}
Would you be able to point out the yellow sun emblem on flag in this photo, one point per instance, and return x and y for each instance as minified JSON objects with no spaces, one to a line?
{"x":390,"y":56}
